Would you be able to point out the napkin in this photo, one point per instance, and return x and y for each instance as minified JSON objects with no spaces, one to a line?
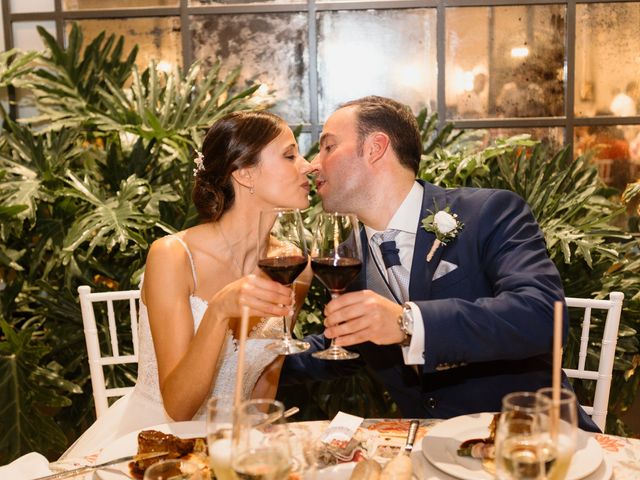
{"x":29,"y":466}
{"x":342,"y":427}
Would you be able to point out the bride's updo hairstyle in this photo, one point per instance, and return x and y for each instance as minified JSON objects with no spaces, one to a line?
{"x":233,"y":142}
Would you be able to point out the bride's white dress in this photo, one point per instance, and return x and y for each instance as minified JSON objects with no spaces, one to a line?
{"x":143,"y":407}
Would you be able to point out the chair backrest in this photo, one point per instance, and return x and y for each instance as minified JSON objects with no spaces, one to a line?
{"x":603,"y":375}
{"x":97,"y":360}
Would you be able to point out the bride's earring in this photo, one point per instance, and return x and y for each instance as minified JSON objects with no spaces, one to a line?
{"x":251,"y":190}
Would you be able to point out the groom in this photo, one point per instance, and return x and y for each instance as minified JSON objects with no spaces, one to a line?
{"x":451,"y":313}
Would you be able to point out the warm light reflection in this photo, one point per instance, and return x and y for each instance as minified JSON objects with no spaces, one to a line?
{"x":349,"y":61}
{"x":520,"y":52}
{"x":411,"y":76}
{"x":462,"y":81}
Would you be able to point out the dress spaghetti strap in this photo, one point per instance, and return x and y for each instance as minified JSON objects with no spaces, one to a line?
{"x":193,"y":266}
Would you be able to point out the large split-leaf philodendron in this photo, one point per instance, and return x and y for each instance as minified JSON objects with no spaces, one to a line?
{"x":102,"y":169}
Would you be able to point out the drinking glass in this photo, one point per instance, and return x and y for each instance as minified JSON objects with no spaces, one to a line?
{"x":520,"y":437}
{"x":336,"y":259}
{"x":261,"y":441}
{"x":560,"y":423}
{"x":220,"y":413}
{"x":282,"y":255}
{"x":174,"y":470}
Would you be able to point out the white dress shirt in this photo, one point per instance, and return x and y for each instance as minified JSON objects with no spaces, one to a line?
{"x":405,"y":220}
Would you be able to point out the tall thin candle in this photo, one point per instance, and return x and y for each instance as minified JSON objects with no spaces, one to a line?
{"x":244,"y":327}
{"x":557,"y":366}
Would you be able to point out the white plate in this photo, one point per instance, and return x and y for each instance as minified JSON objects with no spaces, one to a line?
{"x":128,"y":445}
{"x":441,"y":443}
{"x":336,"y":472}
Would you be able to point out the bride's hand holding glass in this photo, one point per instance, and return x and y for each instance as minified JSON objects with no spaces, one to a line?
{"x":264,"y":297}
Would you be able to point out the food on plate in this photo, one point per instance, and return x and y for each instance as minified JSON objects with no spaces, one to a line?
{"x":399,"y":468}
{"x":366,"y":470}
{"x":482,"y":448}
{"x":362,"y":445}
{"x":192,"y":449}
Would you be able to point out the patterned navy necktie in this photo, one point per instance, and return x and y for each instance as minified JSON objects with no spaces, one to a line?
{"x":398,"y":277}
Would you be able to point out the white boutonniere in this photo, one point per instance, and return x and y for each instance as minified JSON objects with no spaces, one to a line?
{"x":445,"y":225}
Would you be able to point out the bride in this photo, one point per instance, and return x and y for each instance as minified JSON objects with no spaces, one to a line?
{"x":197,"y":280}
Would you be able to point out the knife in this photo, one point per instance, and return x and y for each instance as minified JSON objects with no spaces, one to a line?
{"x":90,"y":468}
{"x":411,"y":436}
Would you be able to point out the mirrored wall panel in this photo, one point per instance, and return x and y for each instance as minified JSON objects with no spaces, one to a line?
{"x":377,"y":52}
{"x":199,"y":3}
{"x":115,"y":4}
{"x":158,"y":38}
{"x":505,"y":61}
{"x":607,"y":59}
{"x":22,"y":6}
{"x":271,"y":49}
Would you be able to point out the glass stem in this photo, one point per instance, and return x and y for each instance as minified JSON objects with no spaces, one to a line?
{"x":334,"y":295}
{"x":285,"y":320}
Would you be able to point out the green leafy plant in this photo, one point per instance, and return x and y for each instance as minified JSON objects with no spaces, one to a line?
{"x":86,"y":184}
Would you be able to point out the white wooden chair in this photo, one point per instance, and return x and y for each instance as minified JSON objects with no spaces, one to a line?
{"x":603,"y":375}
{"x":97,"y":360}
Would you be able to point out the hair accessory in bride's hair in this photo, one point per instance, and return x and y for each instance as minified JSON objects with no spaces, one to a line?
{"x":199,"y":161}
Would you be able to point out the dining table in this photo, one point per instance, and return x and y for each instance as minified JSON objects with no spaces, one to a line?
{"x":620,"y":455}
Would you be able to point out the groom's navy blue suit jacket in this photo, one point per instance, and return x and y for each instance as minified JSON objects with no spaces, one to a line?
{"x":488,"y":323}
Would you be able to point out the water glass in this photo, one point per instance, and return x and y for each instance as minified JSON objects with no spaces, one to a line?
{"x":520,"y":437}
{"x":220,"y":413}
{"x":560,"y":425}
{"x":174,"y":470}
{"x":261,"y":441}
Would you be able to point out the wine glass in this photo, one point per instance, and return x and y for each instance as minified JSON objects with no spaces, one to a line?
{"x":520,"y":438}
{"x":261,"y":441}
{"x":220,"y":412}
{"x":560,"y":423}
{"x":336,"y":260}
{"x":282,"y":255}
{"x":175,"y":469}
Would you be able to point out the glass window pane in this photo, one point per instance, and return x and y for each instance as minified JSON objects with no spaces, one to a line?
{"x":304,"y":143}
{"x":270,"y":47}
{"x":614,"y":149}
{"x":26,"y":36}
{"x":20,"y":6}
{"x":552,"y":136}
{"x":505,"y":61}
{"x":467,"y":62}
{"x":112,"y":4}
{"x":607,"y":59}
{"x":199,"y":3}
{"x":361,"y":53}
{"x":158,"y":38}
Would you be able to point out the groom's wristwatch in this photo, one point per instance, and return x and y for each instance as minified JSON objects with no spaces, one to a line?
{"x":405,"y":322}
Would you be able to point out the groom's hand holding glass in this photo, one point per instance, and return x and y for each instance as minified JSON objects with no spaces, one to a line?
{"x":363,"y":316}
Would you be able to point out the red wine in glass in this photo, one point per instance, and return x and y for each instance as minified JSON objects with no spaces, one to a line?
{"x":283,"y":270}
{"x":336,"y":273}
{"x":282,"y":255}
{"x":336,"y":261}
